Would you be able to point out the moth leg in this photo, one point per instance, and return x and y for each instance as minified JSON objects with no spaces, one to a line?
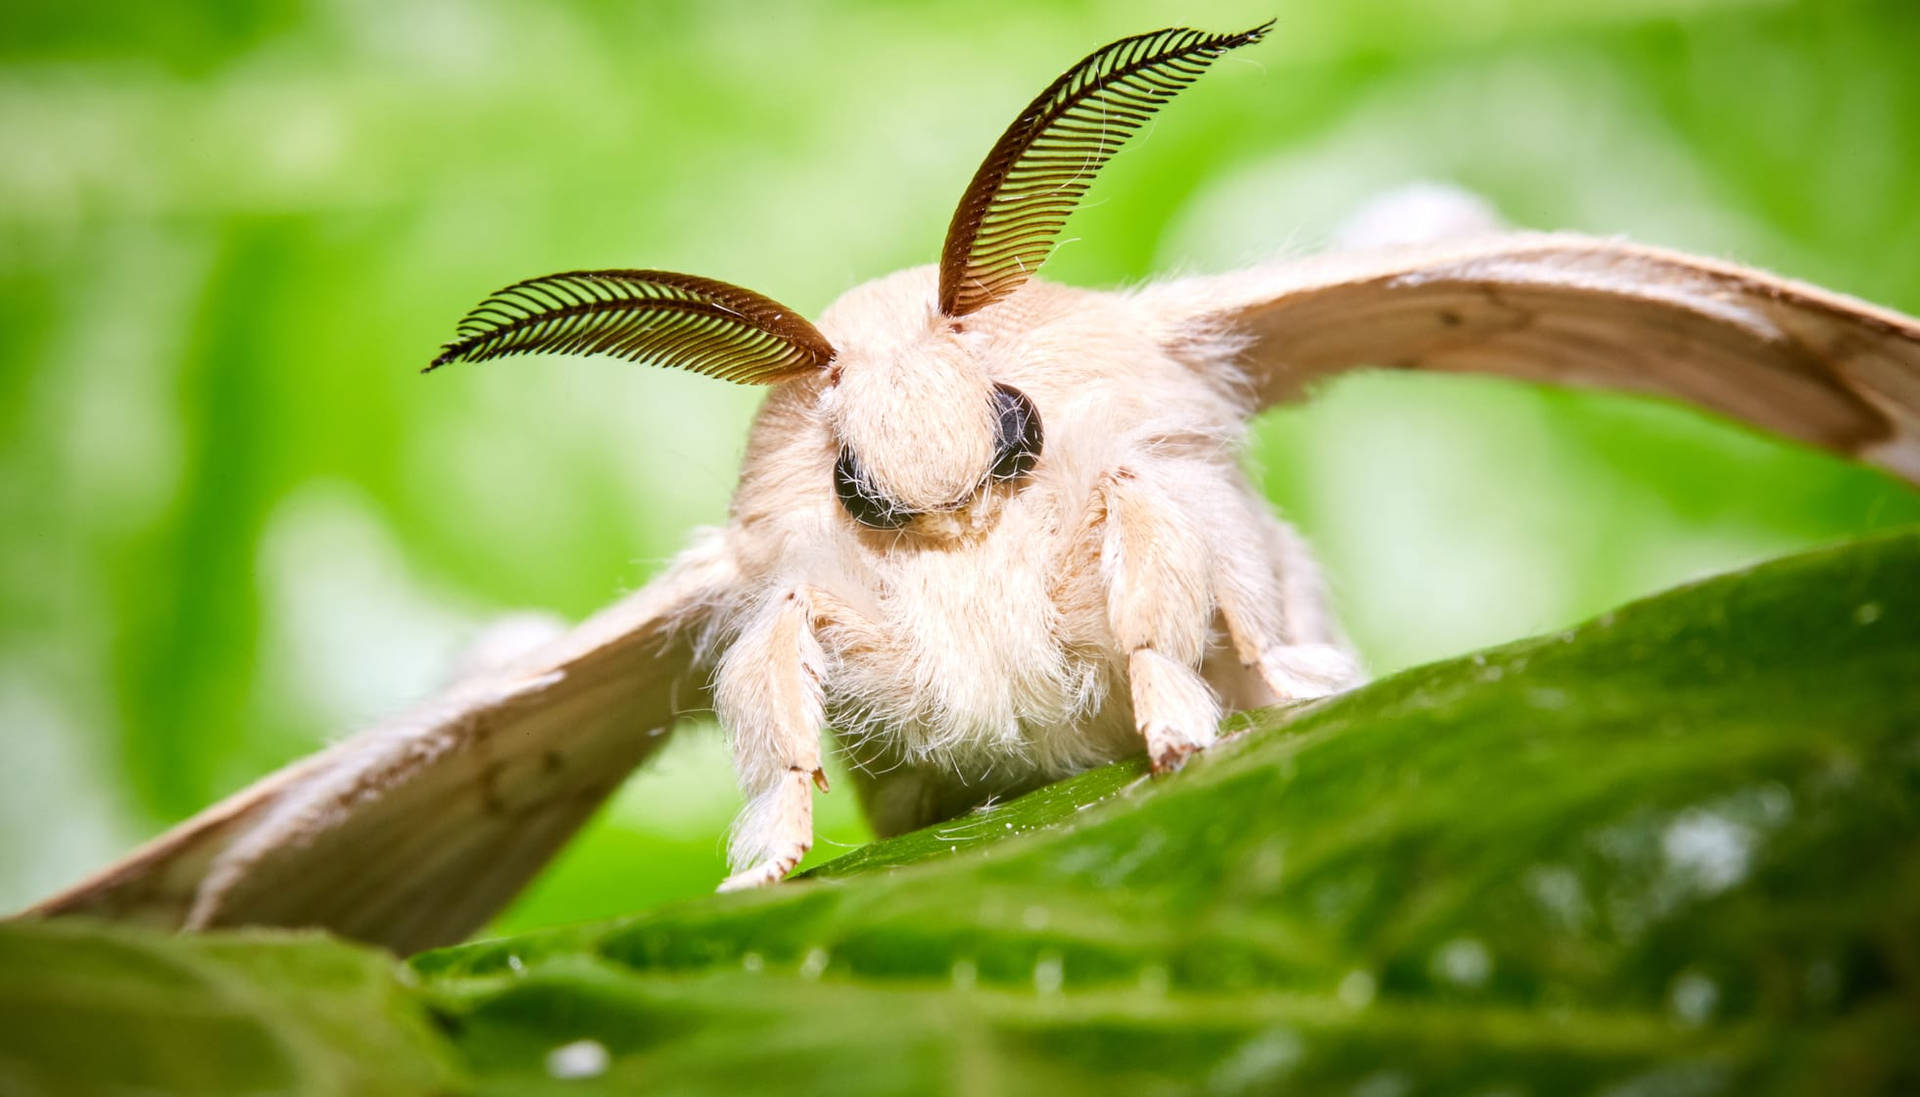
{"x":1277,"y":608}
{"x":1160,"y":607}
{"x":769,"y":695}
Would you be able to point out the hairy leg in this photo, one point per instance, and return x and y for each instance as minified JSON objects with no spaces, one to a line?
{"x":769,"y":696}
{"x":1276,"y":606}
{"x":1155,"y":560}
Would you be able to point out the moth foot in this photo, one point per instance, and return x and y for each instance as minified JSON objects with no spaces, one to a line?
{"x":1170,"y":754}
{"x":1173,"y":707}
{"x":1299,"y":672}
{"x":775,"y":830}
{"x":765,"y":873}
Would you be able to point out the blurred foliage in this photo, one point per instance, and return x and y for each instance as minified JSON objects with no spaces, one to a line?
{"x":1673,"y":851}
{"x":238,"y":522}
{"x":92,"y":1010}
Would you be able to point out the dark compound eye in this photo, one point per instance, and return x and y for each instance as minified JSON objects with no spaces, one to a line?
{"x":1016,"y":448}
{"x":1019,"y":441}
{"x":862,"y":501}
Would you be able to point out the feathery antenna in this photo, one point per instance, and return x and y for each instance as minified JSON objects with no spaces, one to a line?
{"x":653,"y":316}
{"x":1013,"y":211}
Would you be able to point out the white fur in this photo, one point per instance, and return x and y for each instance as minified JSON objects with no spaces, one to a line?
{"x":1038,"y":627}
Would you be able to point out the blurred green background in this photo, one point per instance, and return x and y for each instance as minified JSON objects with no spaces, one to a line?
{"x":238,"y":523}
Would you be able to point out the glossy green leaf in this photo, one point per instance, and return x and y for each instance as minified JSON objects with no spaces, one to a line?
{"x":96,"y":1010}
{"x":1672,"y":851}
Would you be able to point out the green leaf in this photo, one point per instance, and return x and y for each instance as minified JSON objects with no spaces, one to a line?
{"x":94,"y":1009}
{"x":1672,"y":851}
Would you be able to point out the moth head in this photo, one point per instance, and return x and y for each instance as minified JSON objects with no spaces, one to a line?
{"x":921,"y":425}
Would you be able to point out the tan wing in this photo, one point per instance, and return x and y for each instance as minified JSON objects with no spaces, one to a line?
{"x":414,"y":833}
{"x":1791,"y":358}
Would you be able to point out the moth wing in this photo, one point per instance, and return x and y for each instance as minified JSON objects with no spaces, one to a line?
{"x":415,"y":832}
{"x":1794,"y":359}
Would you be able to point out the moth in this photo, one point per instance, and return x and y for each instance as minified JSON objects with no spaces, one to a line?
{"x":988,"y":530}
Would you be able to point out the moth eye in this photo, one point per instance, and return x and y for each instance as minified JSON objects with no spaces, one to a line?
{"x":1019,"y":440}
{"x":860,"y":500}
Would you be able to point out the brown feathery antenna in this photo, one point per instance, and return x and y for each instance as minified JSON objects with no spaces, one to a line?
{"x":1015,"y":206}
{"x":653,"y":316}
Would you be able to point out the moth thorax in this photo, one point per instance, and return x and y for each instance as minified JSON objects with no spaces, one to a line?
{"x":921,"y":424}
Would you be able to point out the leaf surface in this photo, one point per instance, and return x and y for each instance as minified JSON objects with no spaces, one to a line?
{"x":1673,"y":851}
{"x":1676,"y":850}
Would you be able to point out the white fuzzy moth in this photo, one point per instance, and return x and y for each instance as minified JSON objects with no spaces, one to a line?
{"x":989,"y":530}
